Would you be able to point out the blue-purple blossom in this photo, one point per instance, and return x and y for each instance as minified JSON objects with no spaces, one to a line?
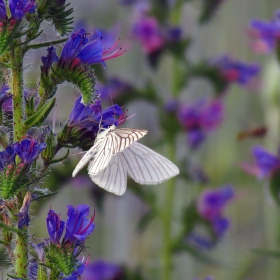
{"x":5,"y":95}
{"x":149,"y":34}
{"x":212,"y":203}
{"x":28,"y":150}
{"x":49,"y":59}
{"x":265,"y":34}
{"x":3,"y":12}
{"x":102,"y":270}
{"x":19,"y":8}
{"x":235,"y":71}
{"x":82,"y":50}
{"x":78,"y":227}
{"x":7,"y":157}
{"x":92,"y":116}
{"x":210,"y":207}
{"x":55,"y":226}
{"x":265,"y":163}
{"x":199,"y":118}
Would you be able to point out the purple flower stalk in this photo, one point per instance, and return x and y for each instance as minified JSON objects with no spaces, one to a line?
{"x":3,"y":12}
{"x":265,"y":163}
{"x":265,"y":34}
{"x":78,"y":227}
{"x":19,"y":8}
{"x":235,"y":71}
{"x":81,"y":50}
{"x":7,"y":157}
{"x":212,"y":203}
{"x":102,"y":270}
{"x":200,"y":118}
{"x":55,"y":226}
{"x":147,"y":31}
{"x":28,"y":150}
{"x":92,"y":117}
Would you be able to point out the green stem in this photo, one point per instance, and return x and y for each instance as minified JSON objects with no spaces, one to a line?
{"x":21,"y":254}
{"x":167,"y":220}
{"x":17,"y":91}
{"x":21,"y":245}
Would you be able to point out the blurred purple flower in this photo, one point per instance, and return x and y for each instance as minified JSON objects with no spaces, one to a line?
{"x":235,"y":71}
{"x":19,"y":8}
{"x":80,"y":50}
{"x":7,"y":156}
{"x":266,"y":34}
{"x":200,"y":118}
{"x":210,"y":206}
{"x":28,"y":150}
{"x":3,"y":12}
{"x":212,"y":203}
{"x":265,"y":163}
{"x":102,"y":270}
{"x":174,"y":34}
{"x":148,"y":32}
{"x":78,"y":227}
{"x":55,"y":226}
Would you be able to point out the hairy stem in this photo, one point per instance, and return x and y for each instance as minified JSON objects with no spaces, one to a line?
{"x":17,"y":91}
{"x":19,"y":130}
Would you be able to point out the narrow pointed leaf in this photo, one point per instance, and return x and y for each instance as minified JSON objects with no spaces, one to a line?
{"x":39,"y":117}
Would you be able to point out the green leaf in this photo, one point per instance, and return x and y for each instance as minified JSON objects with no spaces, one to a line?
{"x":269,"y":253}
{"x":15,"y":277}
{"x":60,"y":159}
{"x":39,"y":117}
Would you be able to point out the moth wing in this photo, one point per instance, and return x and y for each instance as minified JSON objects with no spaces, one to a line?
{"x":113,"y":178}
{"x":146,"y":166}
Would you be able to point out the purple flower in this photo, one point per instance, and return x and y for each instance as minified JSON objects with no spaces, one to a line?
{"x":85,"y":121}
{"x":102,"y":270}
{"x":234,"y":71}
{"x":220,"y":225}
{"x":265,"y":163}
{"x":55,"y":226}
{"x":3,"y":13}
{"x":78,"y":227}
{"x":92,"y":116}
{"x":49,"y":59}
{"x":148,"y":32}
{"x":7,"y":157}
{"x":5,"y":96}
{"x":266,"y":34}
{"x":19,"y":8}
{"x":80,"y":50}
{"x":28,"y":150}
{"x":200,"y":118}
{"x":174,"y":34}
{"x":212,"y":203}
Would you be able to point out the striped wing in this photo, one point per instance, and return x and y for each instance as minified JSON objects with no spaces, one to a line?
{"x":107,"y":144}
{"x":113,"y":178}
{"x":114,"y":142}
{"x":145,"y":166}
{"x":142,"y":164}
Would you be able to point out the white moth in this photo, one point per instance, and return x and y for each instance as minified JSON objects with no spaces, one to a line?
{"x":116,"y":153}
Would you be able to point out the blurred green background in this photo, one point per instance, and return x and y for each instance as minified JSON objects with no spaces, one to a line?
{"x":255,"y":219}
